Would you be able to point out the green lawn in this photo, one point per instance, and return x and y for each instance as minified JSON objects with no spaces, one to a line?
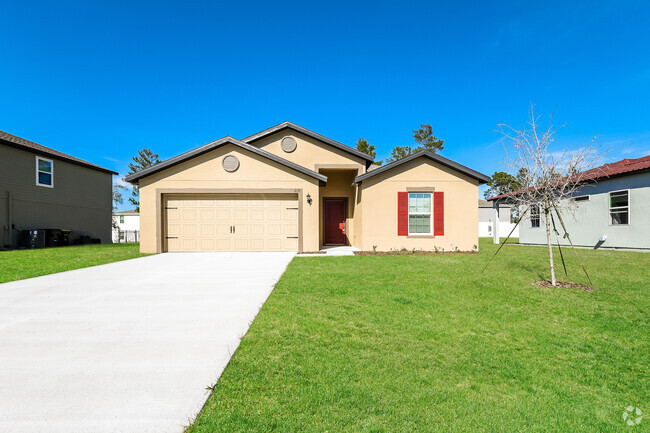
{"x":21,"y":264}
{"x":428,"y":343}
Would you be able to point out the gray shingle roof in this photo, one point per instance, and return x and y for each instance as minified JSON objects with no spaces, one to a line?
{"x":432,"y":156}
{"x":310,"y":133}
{"x":21,"y":143}
{"x":133,"y":178}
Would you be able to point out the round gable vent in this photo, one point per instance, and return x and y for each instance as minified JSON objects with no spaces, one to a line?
{"x":230,"y":163}
{"x":289,"y":144}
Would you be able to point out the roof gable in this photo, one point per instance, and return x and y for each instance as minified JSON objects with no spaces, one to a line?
{"x":288,"y":125}
{"x":624,"y":167}
{"x":30,"y":146}
{"x":133,"y":178}
{"x":429,"y":155}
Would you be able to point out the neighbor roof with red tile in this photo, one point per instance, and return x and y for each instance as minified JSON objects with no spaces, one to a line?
{"x":619,"y":168}
{"x":21,"y":143}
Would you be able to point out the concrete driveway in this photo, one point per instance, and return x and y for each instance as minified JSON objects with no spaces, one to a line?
{"x":129,"y":346}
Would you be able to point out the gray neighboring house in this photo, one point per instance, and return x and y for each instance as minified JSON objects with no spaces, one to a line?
{"x":611,"y":210}
{"x":486,"y":218}
{"x":41,"y":188}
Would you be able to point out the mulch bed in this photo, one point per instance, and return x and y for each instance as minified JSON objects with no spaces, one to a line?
{"x":410,"y":253}
{"x":562,"y":285}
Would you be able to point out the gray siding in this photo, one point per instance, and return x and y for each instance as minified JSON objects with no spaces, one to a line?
{"x":80,"y":200}
{"x":485,"y":214}
{"x":587,"y":221}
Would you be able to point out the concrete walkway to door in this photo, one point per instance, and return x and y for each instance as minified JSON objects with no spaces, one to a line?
{"x":129,"y":346}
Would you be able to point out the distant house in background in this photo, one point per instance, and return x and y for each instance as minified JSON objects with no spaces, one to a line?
{"x":612,"y":209}
{"x":46,"y":190}
{"x":126,"y":226}
{"x":486,"y":223}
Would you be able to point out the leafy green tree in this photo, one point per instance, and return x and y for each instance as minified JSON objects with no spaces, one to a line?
{"x":399,"y":152}
{"x":522,"y":177}
{"x":117,"y":200}
{"x":424,"y":139}
{"x":368,"y":149}
{"x":117,"y":196}
{"x":365,"y":147}
{"x":501,"y":183}
{"x":145,"y":158}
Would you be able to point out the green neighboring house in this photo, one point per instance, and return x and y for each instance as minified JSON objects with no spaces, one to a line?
{"x":611,"y":210}
{"x":41,"y":188}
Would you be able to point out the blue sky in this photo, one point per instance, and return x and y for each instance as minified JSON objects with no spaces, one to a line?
{"x":100,"y":81}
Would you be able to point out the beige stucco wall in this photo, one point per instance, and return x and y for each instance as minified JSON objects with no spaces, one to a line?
{"x":206,"y":174}
{"x":310,"y":153}
{"x":379,"y":198}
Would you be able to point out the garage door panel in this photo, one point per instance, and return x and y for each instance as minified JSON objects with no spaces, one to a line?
{"x":291,"y":244}
{"x":188,"y":229}
{"x":257,"y":215}
{"x":188,"y":215}
{"x":173,"y":229}
{"x":290,"y":229}
{"x":208,"y":229}
{"x":222,"y":229}
{"x":208,"y":244}
{"x":206,"y":215}
{"x":274,"y":229}
{"x":223,"y":215}
{"x":229,"y":222}
{"x":224,"y":245}
{"x":188,"y":244}
{"x":257,"y":244}
{"x":173,"y":215}
{"x":241,"y":216}
{"x":241,"y":244}
{"x":274,"y":215}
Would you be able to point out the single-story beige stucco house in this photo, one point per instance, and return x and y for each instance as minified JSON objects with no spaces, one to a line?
{"x":290,"y":189}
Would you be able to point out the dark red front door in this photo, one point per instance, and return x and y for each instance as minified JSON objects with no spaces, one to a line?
{"x":334,"y":213}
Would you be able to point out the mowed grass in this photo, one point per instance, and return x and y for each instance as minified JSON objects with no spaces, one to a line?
{"x":428,"y":343}
{"x":21,"y":264}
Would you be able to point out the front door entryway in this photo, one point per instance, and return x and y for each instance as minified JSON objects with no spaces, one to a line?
{"x":335,"y":212}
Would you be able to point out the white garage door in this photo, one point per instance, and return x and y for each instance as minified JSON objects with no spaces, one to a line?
{"x":231,"y":222}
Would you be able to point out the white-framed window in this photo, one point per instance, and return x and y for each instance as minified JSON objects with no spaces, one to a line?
{"x":121,"y":219}
{"x":534,"y":216}
{"x":619,"y":207}
{"x":44,"y":172}
{"x":581,"y":198}
{"x":420,"y":213}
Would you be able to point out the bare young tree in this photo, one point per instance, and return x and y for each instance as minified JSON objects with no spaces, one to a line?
{"x":549,"y":179}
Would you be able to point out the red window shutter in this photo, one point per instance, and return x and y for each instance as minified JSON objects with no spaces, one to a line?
{"x":439,"y":213}
{"x":402,"y":213}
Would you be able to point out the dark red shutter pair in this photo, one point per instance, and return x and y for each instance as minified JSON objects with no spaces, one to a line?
{"x":403,"y":213}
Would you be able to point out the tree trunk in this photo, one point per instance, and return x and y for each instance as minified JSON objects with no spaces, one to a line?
{"x":547,"y":217}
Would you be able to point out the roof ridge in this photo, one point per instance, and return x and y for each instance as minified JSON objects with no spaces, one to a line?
{"x":134,"y":177}
{"x":431,"y":155}
{"x":32,"y":146}
{"x":313,"y":134}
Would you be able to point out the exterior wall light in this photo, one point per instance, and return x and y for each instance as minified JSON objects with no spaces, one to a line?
{"x":309,"y":200}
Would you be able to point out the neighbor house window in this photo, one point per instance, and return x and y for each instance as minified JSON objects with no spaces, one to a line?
{"x":534,"y":216}
{"x":121,"y":219}
{"x":420,"y":210}
{"x":44,"y":172}
{"x":619,"y":207}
